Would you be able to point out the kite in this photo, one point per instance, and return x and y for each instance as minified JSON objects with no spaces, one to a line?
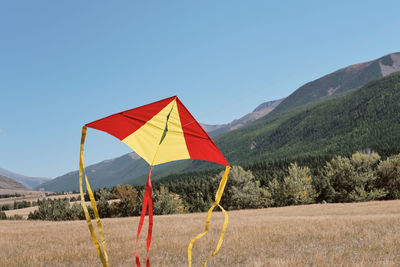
{"x":159,"y":132}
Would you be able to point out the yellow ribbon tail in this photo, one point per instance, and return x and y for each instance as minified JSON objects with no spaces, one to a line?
{"x":218,"y":196}
{"x":102,"y":254}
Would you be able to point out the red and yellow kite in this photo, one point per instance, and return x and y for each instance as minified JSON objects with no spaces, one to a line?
{"x":159,"y":132}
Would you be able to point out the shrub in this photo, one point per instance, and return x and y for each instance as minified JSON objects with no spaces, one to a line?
{"x":295,"y":189}
{"x":21,"y":204}
{"x":103,"y":207}
{"x":5,"y":207}
{"x":52,"y":210}
{"x":76,"y":212}
{"x":389,"y":176}
{"x":165,"y":202}
{"x":129,"y":204}
{"x":243,"y":191}
{"x":355,"y":178}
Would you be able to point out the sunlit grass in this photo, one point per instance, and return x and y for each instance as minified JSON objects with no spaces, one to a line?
{"x":359,"y":234}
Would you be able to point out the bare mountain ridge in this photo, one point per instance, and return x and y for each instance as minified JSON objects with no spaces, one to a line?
{"x":260,"y":111}
{"x":29,"y":182}
{"x":341,"y":81}
{"x":8,"y":183}
{"x":390,"y":64}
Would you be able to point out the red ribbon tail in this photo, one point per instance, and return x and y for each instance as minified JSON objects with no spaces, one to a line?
{"x":147,"y":200}
{"x":149,"y":233}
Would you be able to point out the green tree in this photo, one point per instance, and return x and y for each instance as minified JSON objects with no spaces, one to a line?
{"x":5,"y":207}
{"x":389,"y":176}
{"x":76,"y":212}
{"x":296,"y":188}
{"x":165,"y":202}
{"x":102,"y":203}
{"x":355,"y":178}
{"x":52,"y":210}
{"x":243,"y":191}
{"x":129,"y":201}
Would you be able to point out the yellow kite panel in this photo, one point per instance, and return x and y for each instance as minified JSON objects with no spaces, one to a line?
{"x":146,"y":139}
{"x":173,"y":146}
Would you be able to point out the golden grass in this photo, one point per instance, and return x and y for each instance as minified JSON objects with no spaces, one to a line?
{"x":360,"y":234}
{"x":27,"y":195}
{"x":22,"y":212}
{"x":15,"y":191}
{"x":31,"y":196}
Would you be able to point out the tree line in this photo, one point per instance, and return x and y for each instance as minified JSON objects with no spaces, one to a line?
{"x":362,"y":176}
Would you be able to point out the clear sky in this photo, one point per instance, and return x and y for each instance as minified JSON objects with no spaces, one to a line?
{"x":67,"y":63}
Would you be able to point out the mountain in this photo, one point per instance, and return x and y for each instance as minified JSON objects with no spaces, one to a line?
{"x":106,"y":173}
{"x":8,"y":183}
{"x":29,"y":182}
{"x":260,"y":111}
{"x":130,"y":168}
{"x":339,"y":121}
{"x":368,"y":118}
{"x":341,"y":81}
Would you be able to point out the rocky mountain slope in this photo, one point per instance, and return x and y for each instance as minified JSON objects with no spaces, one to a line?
{"x":341,"y":81}
{"x":260,"y":111}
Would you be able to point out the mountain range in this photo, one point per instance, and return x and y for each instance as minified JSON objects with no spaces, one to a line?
{"x":8,"y":183}
{"x":260,"y":111}
{"x":249,"y":143}
{"x":341,"y":81}
{"x":368,"y":118}
{"x":29,"y":182}
{"x":340,"y":112}
{"x":133,"y":169}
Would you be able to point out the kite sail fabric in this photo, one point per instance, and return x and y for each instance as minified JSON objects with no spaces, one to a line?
{"x":159,"y":132}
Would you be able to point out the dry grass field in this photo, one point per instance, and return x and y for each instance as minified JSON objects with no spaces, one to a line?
{"x":359,"y":234}
{"x":29,"y":196}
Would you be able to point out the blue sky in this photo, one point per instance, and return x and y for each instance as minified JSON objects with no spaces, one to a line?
{"x":66,"y":63}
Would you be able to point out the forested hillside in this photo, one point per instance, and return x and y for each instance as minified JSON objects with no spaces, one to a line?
{"x":119,"y":170}
{"x":339,"y":124}
{"x":366,"y":118}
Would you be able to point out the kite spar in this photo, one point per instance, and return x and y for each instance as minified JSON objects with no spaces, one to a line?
{"x":159,"y":132}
